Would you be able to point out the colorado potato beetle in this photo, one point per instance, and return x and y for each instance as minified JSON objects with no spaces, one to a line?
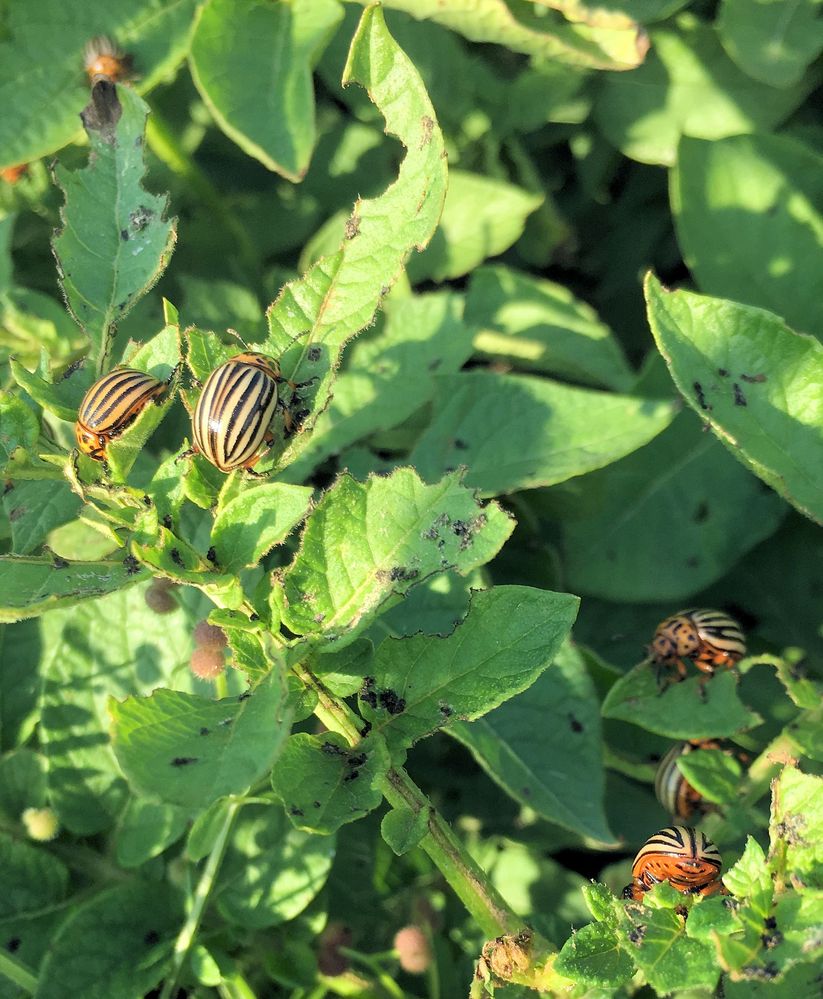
{"x":709,"y":638}
{"x":674,"y":792}
{"x":104,"y":60}
{"x":111,"y":405}
{"x":681,"y":855}
{"x":231,"y":421}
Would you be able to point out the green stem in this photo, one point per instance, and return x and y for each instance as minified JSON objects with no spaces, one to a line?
{"x":459,"y":868}
{"x":164,"y":144}
{"x":185,"y":938}
{"x":17,"y":973}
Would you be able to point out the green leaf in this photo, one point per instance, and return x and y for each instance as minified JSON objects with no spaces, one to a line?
{"x":540,"y":326}
{"x":592,"y":956}
{"x":509,"y":637}
{"x":109,"y":216}
{"x":404,"y":829}
{"x":796,"y":827}
{"x":753,"y":380}
{"x":713,"y":773}
{"x":19,"y":427}
{"x":22,"y":783}
{"x":750,"y":878}
{"x":343,"y":672}
{"x":254,"y":522}
{"x":271,"y":871}
{"x":748,"y":217}
{"x":493,"y":21}
{"x":62,"y":397}
{"x":32,"y":878}
{"x":681,"y":493}
{"x":555,"y":769}
{"x":189,"y":751}
{"x":235,"y":47}
{"x":6,"y":265}
{"x":314,"y":316}
{"x":518,"y":432}
{"x":366,"y":541}
{"x":29,"y":584}
{"x":207,"y":829}
{"x":482,"y":217}
{"x":668,"y":958}
{"x":687,"y":86}
{"x":115,"y":946}
{"x":113,"y":646}
{"x":19,"y":682}
{"x":323,"y":783}
{"x":146,"y":829}
{"x":770,"y":40}
{"x":680,"y":711}
{"x":42,"y":82}
{"x":34,"y":508}
{"x":390,"y":374}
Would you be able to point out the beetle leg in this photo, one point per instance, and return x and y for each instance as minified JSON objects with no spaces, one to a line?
{"x":187,"y":453}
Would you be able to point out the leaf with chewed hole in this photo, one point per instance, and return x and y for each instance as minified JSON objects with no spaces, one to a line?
{"x":314,"y":316}
{"x":115,"y":241}
{"x":365,"y":541}
{"x":510,"y":635}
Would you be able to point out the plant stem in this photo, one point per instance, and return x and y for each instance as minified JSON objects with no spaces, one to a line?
{"x":465,"y":876}
{"x":185,"y":938}
{"x":17,"y":973}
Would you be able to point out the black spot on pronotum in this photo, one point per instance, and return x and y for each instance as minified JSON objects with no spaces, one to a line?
{"x":574,"y":724}
{"x":701,"y":397}
{"x":183,"y":761}
{"x":391,"y":702}
{"x":177,"y":558}
{"x":314,"y":353}
{"x":739,"y":398}
{"x":131,"y":564}
{"x":367,"y":692}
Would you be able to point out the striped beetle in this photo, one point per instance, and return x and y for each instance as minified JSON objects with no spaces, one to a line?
{"x":709,"y":638}
{"x":111,"y":405}
{"x":681,"y":855}
{"x":232,"y":418}
{"x":674,"y":792}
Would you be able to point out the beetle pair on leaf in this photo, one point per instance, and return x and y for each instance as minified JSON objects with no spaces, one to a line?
{"x":231,"y":423}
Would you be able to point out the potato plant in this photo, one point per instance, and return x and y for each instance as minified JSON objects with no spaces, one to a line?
{"x":375,"y":716}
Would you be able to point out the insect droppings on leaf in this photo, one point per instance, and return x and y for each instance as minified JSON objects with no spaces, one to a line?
{"x":701,"y":397}
{"x":177,"y":558}
{"x":151,"y":938}
{"x":13,"y":944}
{"x":391,"y":702}
{"x":753,"y":379}
{"x":367,"y":692}
{"x":574,"y":724}
{"x":183,"y":761}
{"x":131,"y":564}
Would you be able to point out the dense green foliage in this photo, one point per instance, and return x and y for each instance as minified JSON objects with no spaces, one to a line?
{"x":580,"y":251}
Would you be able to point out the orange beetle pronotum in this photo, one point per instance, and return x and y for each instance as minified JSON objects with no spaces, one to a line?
{"x":681,"y":855}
